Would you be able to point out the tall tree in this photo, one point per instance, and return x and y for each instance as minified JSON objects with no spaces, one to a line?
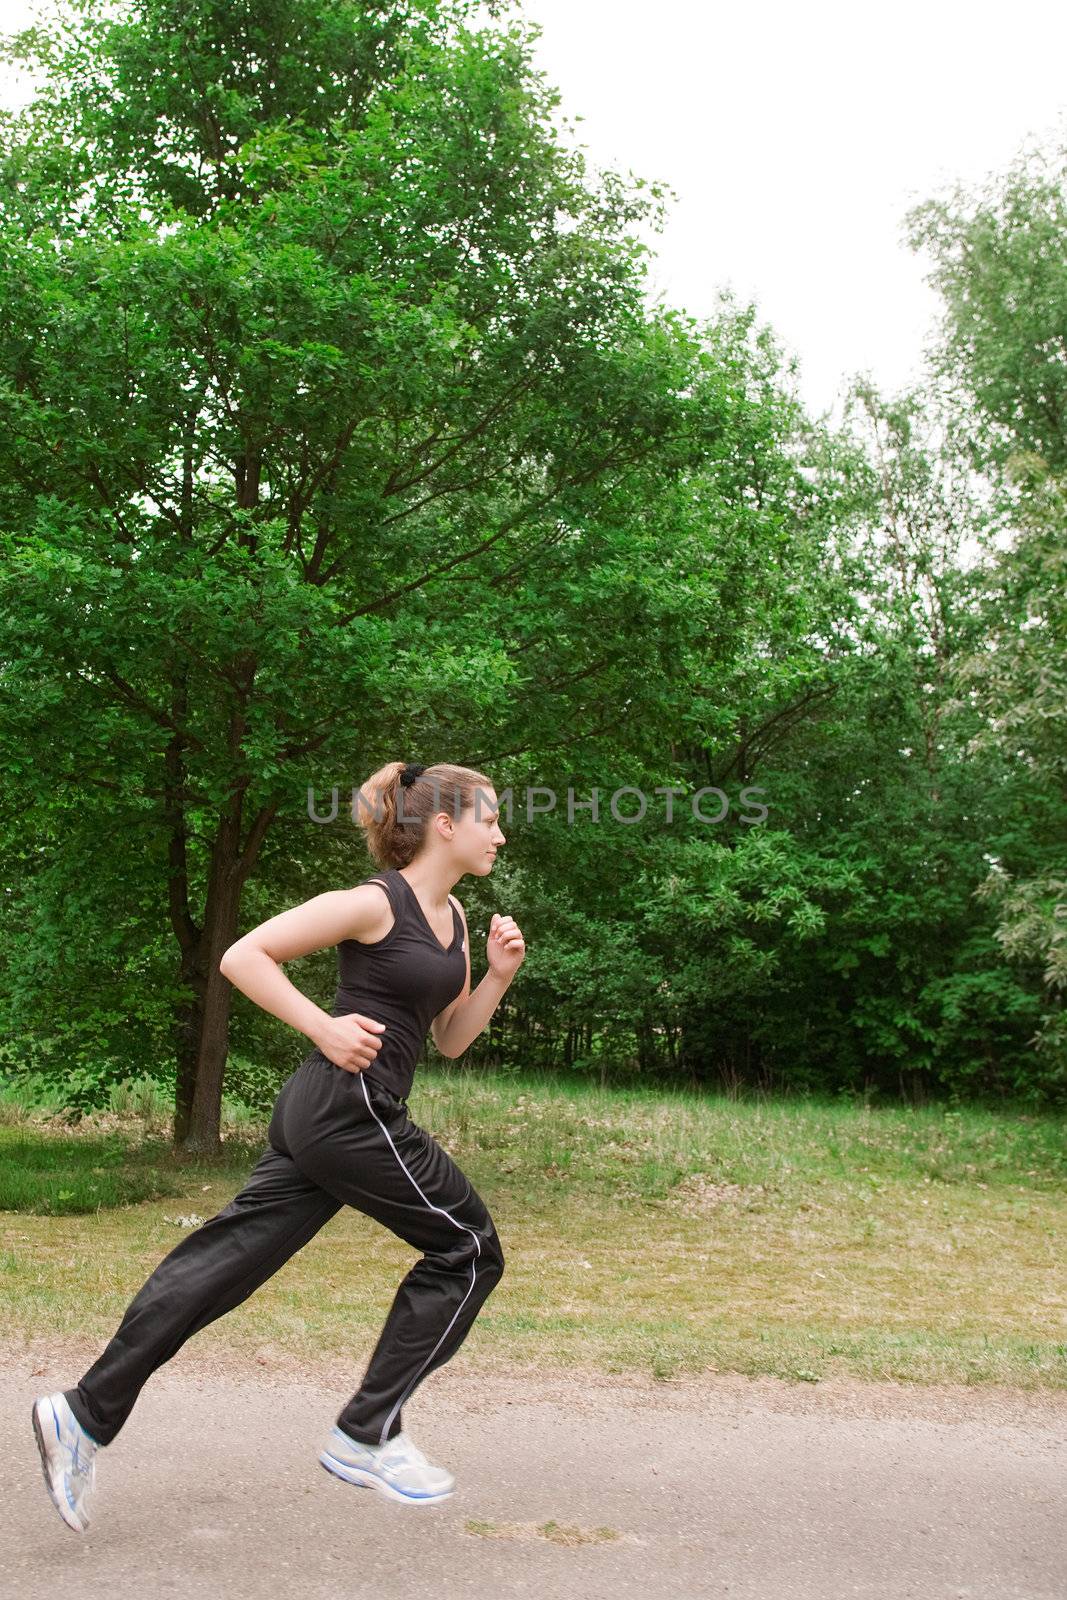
{"x":329,"y":405}
{"x":1000,"y":262}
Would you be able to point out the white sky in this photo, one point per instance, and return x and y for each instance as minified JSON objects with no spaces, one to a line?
{"x":796,"y":136}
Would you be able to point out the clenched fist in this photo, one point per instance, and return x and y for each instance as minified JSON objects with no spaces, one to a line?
{"x":505,"y":947}
{"x":351,"y":1041}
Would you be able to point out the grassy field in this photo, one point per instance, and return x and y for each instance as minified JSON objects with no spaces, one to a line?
{"x":644,"y":1231}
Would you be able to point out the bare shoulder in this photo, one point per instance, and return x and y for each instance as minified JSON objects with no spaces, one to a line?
{"x":372,"y":911}
{"x":371,"y":892}
{"x":362,"y":912}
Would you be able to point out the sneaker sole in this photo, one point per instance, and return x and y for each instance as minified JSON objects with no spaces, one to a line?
{"x":57,"y":1497}
{"x":371,"y":1480}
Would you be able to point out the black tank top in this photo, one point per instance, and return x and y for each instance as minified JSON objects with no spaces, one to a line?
{"x":403,"y":980}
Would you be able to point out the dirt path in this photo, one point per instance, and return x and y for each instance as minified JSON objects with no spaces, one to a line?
{"x":752,"y":1489}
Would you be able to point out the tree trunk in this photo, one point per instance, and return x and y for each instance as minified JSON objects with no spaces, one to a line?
{"x":213,"y":995}
{"x":186,"y":1034}
{"x":187,"y":1012}
{"x":201,"y":1021}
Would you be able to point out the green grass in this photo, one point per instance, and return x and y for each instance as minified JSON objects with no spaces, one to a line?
{"x":56,"y":1165}
{"x":667,"y":1233}
{"x":67,"y":1176}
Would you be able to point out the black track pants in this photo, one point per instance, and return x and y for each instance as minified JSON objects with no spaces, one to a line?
{"x":335,"y":1138}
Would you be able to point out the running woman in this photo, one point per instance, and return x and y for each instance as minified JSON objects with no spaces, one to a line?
{"x":340,"y":1134}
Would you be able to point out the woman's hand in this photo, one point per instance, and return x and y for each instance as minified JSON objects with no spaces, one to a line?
{"x":505,"y":947}
{"x":351,"y":1041}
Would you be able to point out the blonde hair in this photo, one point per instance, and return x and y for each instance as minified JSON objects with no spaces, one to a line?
{"x":393,"y":840}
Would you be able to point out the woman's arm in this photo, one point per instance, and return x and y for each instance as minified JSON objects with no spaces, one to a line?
{"x":461,"y":1022}
{"x":253,"y":963}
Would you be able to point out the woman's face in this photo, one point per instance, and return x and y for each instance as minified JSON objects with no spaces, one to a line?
{"x":477,"y":836}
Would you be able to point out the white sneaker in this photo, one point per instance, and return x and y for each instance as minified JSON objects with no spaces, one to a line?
{"x":67,"y":1458}
{"x":397,"y":1468}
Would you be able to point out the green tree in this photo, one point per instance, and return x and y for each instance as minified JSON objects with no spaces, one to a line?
{"x":1019,"y":680}
{"x":1000,"y":267}
{"x":1000,"y":262}
{"x":334,"y":428}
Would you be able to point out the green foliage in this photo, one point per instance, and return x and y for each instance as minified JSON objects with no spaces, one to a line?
{"x":252,"y":1085}
{"x":999,"y":268}
{"x":337,"y":427}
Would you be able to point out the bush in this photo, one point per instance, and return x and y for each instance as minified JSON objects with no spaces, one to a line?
{"x":251,"y":1084}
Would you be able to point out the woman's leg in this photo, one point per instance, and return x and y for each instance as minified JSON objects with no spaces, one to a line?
{"x":383,"y":1164}
{"x":212,"y":1270}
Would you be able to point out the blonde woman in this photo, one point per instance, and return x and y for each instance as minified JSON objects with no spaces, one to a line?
{"x":340,"y":1134}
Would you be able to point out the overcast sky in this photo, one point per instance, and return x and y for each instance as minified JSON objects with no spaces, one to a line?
{"x":796,"y":136}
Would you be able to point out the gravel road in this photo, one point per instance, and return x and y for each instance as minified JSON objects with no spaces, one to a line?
{"x":568,"y":1485}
